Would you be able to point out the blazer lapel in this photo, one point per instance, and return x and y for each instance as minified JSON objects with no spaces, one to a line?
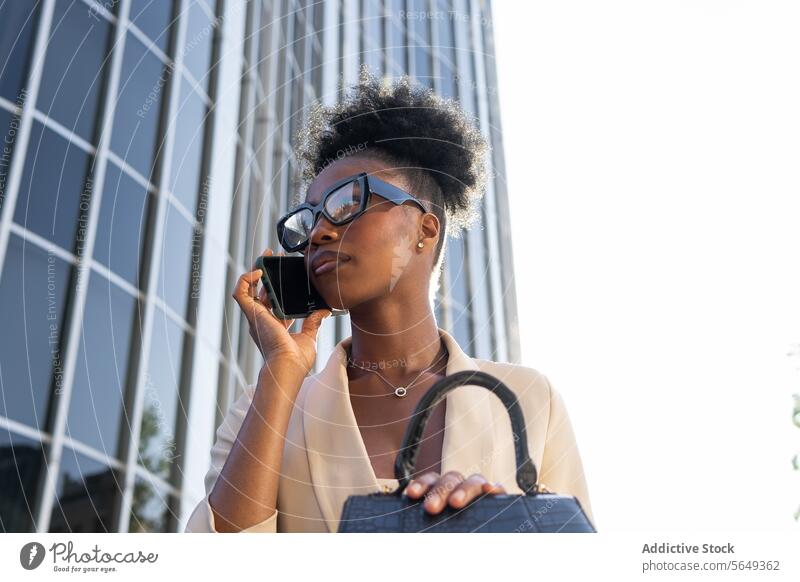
{"x":338,"y":461}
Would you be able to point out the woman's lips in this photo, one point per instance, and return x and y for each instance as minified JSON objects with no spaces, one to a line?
{"x":329,"y":266}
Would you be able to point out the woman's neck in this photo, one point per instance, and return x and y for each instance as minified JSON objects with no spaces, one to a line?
{"x":398,"y":344}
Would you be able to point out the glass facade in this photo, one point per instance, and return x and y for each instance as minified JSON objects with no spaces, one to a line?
{"x":146,"y":157}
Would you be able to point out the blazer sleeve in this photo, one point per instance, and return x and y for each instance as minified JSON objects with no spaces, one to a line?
{"x":202,"y":518}
{"x":562,"y":468}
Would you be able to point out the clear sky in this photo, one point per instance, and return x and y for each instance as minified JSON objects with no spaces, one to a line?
{"x":652,"y":164}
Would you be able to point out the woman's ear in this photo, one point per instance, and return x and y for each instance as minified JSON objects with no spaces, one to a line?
{"x":429,"y":229}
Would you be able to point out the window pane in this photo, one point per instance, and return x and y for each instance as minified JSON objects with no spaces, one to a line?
{"x":9,"y":128}
{"x":17,"y":30}
{"x":447,"y":55}
{"x":467,"y":98}
{"x":421,"y":42}
{"x":298,"y":12}
{"x":52,"y":195}
{"x":85,"y":495}
{"x":154,"y":18}
{"x":33,"y":291}
{"x":316,"y":51}
{"x":176,"y":258}
{"x":212,"y":5}
{"x":157,"y":447}
{"x":197,"y":48}
{"x":77,"y":53}
{"x":121,"y":229}
{"x":20,"y":472}
{"x":188,"y":150}
{"x":372,"y":35}
{"x":142,"y":85}
{"x":96,"y":408}
{"x":396,"y":39}
{"x":150,"y":509}
{"x":458,"y":292}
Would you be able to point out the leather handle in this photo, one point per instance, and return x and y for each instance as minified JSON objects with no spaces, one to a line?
{"x":407,"y":458}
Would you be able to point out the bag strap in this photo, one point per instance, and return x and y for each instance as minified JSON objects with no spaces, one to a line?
{"x":409,"y":449}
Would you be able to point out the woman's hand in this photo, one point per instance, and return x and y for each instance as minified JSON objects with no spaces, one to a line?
{"x":270,"y":333}
{"x":450,"y":489}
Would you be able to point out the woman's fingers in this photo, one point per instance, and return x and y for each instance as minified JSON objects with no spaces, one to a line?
{"x":267,"y":253}
{"x":418,"y":486}
{"x":245,"y":290}
{"x":450,"y":489}
{"x":312,"y":323}
{"x":466,"y":491}
{"x":262,"y":297}
{"x":247,"y":293}
{"x":472,"y":487}
{"x":437,"y":496}
{"x":494,"y":488}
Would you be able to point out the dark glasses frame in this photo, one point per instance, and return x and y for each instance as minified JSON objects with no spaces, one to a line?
{"x":369,"y":185}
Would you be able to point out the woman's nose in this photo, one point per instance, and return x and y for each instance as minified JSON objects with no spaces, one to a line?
{"x":323,"y":230}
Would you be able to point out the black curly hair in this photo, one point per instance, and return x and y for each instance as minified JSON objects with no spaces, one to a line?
{"x":427,"y":139}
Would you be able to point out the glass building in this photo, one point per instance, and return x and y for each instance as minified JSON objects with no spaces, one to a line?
{"x":146,"y":156}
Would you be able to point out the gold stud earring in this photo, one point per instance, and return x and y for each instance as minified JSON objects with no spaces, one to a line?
{"x":420,"y":244}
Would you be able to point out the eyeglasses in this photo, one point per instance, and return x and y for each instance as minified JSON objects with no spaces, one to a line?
{"x":343,"y":202}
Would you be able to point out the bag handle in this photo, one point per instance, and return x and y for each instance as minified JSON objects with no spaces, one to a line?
{"x":409,"y":449}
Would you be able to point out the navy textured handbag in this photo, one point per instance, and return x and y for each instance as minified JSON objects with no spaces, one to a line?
{"x":537,"y":510}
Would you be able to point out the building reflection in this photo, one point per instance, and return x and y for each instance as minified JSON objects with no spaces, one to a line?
{"x":140,"y":235}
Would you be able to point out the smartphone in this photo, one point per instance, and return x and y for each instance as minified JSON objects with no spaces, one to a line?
{"x":290,"y":291}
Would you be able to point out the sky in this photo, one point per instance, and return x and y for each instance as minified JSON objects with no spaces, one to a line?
{"x":652,"y":167}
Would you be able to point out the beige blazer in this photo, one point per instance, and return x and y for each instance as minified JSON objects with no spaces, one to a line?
{"x":325,"y":459}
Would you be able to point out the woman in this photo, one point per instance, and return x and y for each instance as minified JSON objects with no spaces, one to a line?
{"x":295,"y":446}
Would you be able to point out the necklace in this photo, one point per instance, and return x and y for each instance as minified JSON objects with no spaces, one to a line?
{"x":401,"y":391}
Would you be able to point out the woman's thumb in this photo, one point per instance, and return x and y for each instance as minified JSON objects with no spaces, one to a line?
{"x":312,"y":322}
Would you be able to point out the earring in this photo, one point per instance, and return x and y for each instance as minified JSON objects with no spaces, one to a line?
{"x":420,"y":244}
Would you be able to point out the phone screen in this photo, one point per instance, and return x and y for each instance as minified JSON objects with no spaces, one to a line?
{"x":290,"y":291}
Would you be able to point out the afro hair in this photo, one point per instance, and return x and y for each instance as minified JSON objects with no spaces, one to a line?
{"x":427,"y":139}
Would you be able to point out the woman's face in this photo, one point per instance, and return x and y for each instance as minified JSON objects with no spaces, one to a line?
{"x":378,"y":250}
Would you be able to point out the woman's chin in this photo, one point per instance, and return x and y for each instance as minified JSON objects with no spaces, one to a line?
{"x":335,"y":292}
{"x":337,"y":305}
{"x":335,"y":299}
{"x":341,"y":298}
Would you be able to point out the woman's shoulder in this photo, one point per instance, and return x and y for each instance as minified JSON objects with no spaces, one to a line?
{"x":507,"y":367}
{"x":532,"y":388}
{"x":523,"y":380}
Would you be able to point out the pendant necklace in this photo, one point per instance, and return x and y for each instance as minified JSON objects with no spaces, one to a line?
{"x":401,"y":391}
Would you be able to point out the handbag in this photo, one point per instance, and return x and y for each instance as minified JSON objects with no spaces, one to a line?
{"x":537,"y":510}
